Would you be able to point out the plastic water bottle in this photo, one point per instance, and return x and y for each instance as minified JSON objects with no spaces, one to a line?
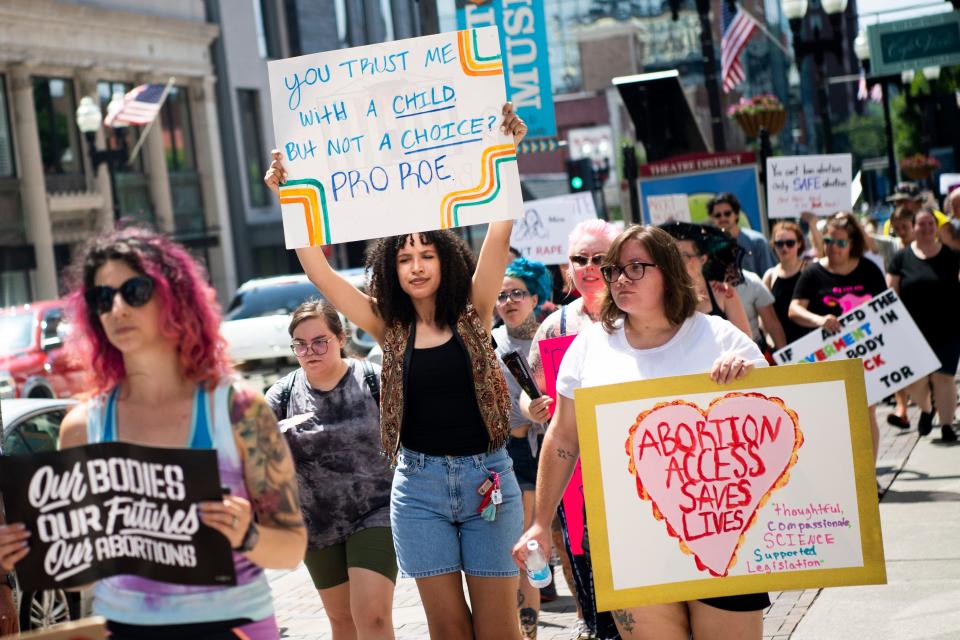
{"x":538,"y":571}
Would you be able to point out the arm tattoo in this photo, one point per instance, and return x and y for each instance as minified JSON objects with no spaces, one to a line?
{"x":563,"y":454}
{"x":624,"y":619}
{"x":267,"y":465}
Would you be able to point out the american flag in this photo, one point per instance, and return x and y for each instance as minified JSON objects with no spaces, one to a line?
{"x":737,"y":29}
{"x":140,"y":106}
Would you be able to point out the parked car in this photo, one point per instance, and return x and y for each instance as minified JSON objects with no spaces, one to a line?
{"x":33,"y":426}
{"x":33,"y":360}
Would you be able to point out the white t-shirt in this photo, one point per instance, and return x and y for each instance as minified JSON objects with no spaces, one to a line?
{"x":597,"y":358}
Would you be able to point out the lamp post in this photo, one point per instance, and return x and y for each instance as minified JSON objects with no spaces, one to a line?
{"x":861,"y":47}
{"x":89,"y":121}
{"x":818,"y":46}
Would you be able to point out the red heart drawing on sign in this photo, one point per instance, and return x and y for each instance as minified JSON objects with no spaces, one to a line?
{"x":708,"y":473}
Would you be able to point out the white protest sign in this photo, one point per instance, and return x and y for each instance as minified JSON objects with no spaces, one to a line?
{"x":948,"y":180}
{"x":882,"y":333}
{"x":820,"y":184}
{"x":394,"y":138}
{"x":674,"y":207}
{"x":542,"y":234}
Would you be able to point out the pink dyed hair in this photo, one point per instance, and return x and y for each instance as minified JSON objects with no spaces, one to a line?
{"x":188,"y":308}
{"x":599,"y":229}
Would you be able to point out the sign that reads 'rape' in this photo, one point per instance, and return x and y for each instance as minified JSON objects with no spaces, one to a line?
{"x":394,"y":138}
{"x":116,"y":508}
{"x":882,"y":333}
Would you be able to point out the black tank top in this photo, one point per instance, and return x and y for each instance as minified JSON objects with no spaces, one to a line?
{"x":715,"y":309}
{"x":782,"y":295}
{"x":441,"y":416}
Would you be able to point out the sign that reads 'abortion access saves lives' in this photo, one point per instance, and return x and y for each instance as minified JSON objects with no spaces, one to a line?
{"x":394,"y":138}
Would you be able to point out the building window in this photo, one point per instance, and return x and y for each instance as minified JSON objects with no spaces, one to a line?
{"x":265,"y":18}
{"x":56,"y":112}
{"x":177,"y":131}
{"x":6,"y":141}
{"x":254,"y":155}
{"x":120,"y":137}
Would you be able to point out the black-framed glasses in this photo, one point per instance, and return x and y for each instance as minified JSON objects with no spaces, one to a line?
{"x":721,"y":214}
{"x":841,"y":244}
{"x":136,"y":292}
{"x":581,"y":261}
{"x":515,"y":295}
{"x":633,"y":270}
{"x":780,"y":244}
{"x":318,"y":345}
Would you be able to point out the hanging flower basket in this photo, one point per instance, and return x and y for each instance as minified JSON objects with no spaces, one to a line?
{"x":763,"y":111}
{"x":919,"y":166}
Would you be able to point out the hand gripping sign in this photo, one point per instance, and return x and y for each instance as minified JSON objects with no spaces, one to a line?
{"x":696,"y":490}
{"x":394,"y":138}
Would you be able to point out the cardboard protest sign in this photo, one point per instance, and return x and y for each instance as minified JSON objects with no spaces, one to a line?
{"x":394,"y":138}
{"x":881,"y":332}
{"x":697,"y":490}
{"x":820,"y":184}
{"x":111,"y":508}
{"x":674,"y":207}
{"x":543,"y":231}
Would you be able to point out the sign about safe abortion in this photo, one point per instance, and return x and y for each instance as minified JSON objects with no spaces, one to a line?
{"x":116,"y":508}
{"x":394,"y":138}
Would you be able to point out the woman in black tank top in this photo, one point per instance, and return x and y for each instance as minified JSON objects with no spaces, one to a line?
{"x":789,"y":244}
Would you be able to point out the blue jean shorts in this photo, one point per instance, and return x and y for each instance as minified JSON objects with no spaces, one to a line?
{"x":433,"y":513}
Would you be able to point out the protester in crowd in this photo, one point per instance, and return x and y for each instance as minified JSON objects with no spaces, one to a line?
{"x":444,"y":414}
{"x":838,"y":283}
{"x":757,"y":303}
{"x":159,"y":371}
{"x":330,"y":414}
{"x":901,"y":222}
{"x":790,"y":245}
{"x":724,"y":210}
{"x":926,"y":275}
{"x":526,"y":284}
{"x":587,"y":244}
{"x":909,"y":196}
{"x":810,"y":227}
{"x":950,"y":232}
{"x":649,"y":328}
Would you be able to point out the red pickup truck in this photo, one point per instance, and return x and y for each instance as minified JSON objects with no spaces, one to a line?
{"x":33,"y":360}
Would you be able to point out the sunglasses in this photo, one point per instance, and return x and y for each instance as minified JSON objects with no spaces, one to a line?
{"x":136,"y":292}
{"x":633,"y":271}
{"x":319,"y":346}
{"x":581,"y":261}
{"x":516,"y":295}
{"x":841,"y":244}
{"x":780,"y":244}
{"x":721,"y":214}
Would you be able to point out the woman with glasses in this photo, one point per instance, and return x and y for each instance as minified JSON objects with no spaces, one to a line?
{"x":150,"y":327}
{"x":649,"y":328}
{"x":837,"y":283}
{"x":526,"y":286}
{"x":790,"y":245}
{"x":330,"y":414}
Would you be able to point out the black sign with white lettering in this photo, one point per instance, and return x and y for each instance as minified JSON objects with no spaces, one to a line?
{"x":116,"y":508}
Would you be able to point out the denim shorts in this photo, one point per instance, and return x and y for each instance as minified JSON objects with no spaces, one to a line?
{"x":436,"y":526}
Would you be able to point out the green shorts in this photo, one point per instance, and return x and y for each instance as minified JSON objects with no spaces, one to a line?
{"x":367,"y":549}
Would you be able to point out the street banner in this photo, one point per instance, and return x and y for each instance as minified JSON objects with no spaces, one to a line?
{"x":394,"y":138}
{"x":678,"y":189}
{"x":882,"y":334}
{"x":86,"y":629}
{"x":543,"y":232}
{"x":820,"y":184}
{"x":116,"y":508}
{"x":696,"y":490}
{"x":523,"y":41}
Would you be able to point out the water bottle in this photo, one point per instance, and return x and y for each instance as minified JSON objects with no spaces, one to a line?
{"x":538,"y":571}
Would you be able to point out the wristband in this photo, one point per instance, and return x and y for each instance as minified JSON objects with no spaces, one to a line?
{"x":250,"y":539}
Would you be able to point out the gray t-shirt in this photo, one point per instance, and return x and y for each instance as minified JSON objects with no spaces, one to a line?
{"x":344,"y":482}
{"x":506,"y":344}
{"x":754,"y":295}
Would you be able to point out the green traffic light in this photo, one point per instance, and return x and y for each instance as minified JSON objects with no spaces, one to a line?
{"x":576,"y":182}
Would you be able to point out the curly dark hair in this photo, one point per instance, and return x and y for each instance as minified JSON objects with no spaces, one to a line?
{"x":457,"y":265}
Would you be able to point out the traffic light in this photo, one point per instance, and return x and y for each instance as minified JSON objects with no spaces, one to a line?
{"x":580,"y":175}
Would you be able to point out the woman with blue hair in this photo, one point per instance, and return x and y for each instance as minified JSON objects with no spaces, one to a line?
{"x":526,"y":286}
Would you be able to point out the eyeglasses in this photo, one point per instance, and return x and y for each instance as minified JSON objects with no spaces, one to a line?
{"x":516,"y":295}
{"x":581,"y":261}
{"x":841,"y":244}
{"x":319,"y":346}
{"x":688,"y":256}
{"x":721,"y":214}
{"x":136,"y":292}
{"x":633,"y":271}
{"x":780,"y":244}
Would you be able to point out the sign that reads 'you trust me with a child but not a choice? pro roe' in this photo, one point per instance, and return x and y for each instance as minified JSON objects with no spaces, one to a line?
{"x":394,"y":138}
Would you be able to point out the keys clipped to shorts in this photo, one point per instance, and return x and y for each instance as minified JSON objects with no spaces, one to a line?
{"x":492,"y":497}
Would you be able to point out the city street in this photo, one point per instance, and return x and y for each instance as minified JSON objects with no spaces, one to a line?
{"x":922,"y":557}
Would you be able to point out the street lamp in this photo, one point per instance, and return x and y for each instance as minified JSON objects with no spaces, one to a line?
{"x":89,"y":121}
{"x":861,"y":47}
{"x":817,"y":47}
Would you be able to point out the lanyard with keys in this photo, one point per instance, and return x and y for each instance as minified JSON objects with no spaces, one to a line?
{"x":492,"y":497}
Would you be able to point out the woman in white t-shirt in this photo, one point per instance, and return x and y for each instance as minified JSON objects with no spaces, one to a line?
{"x":649,"y":328}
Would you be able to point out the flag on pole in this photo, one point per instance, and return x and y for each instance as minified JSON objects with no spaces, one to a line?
{"x":140,"y":106}
{"x":738,"y":27}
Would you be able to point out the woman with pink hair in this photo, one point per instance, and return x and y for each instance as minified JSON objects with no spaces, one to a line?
{"x":159,"y":372}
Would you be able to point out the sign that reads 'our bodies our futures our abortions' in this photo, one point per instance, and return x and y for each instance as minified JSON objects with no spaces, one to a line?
{"x":697,"y":490}
{"x":116,"y":508}
{"x":882,"y":334}
{"x":543,"y":232}
{"x":394,"y":138}
{"x":819,"y":184}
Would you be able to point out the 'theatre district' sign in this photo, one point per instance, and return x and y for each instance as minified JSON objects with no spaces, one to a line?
{"x":880,"y":332}
{"x":116,"y":508}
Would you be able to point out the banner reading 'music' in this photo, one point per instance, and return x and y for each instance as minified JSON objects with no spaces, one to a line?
{"x":116,"y":508}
